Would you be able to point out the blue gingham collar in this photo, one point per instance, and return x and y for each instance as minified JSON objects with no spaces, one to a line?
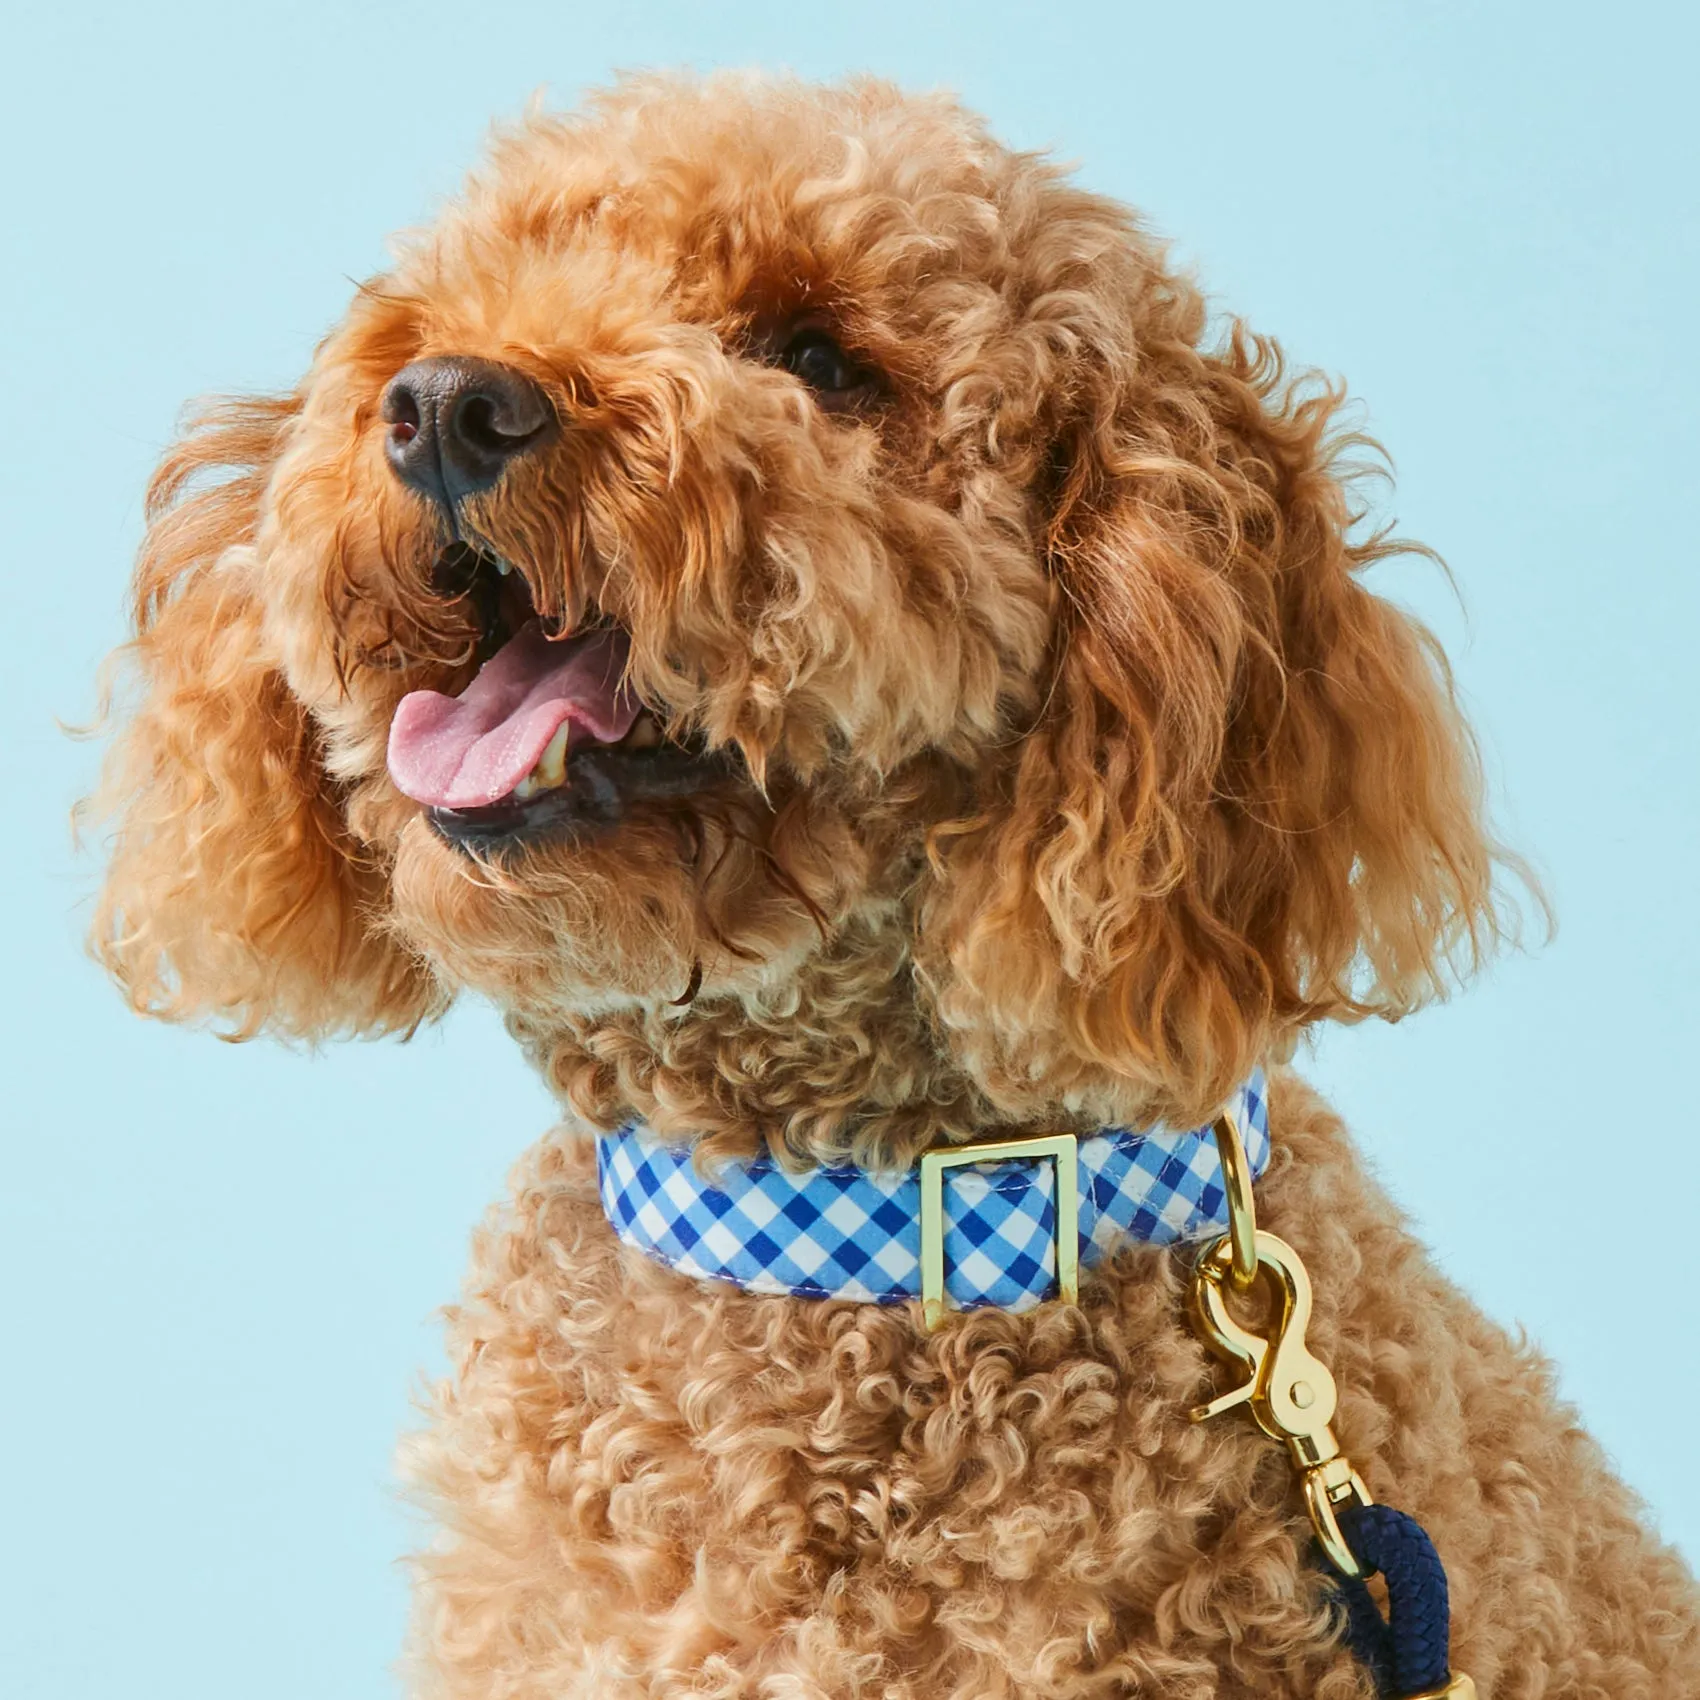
{"x":847,"y":1233}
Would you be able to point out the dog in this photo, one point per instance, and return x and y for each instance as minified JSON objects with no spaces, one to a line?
{"x":795,"y":602}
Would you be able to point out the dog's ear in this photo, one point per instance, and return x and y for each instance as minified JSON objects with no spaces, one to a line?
{"x":234,"y":890}
{"x":1248,"y":801}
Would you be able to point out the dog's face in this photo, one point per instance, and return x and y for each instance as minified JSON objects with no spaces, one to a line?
{"x":676,"y":444}
{"x":757,"y":517}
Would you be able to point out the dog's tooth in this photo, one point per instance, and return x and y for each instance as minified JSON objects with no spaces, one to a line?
{"x":527,"y":788}
{"x":551,"y":768}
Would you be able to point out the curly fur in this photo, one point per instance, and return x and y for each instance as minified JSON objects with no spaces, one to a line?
{"x":1077,"y":770}
{"x":664,"y":1488}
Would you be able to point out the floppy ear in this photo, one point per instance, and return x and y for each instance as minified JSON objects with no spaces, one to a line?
{"x":1249,"y":801}
{"x":234,"y":889}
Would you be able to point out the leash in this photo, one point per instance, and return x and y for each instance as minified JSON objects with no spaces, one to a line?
{"x":1292,"y":1396}
{"x":1407,"y":1650}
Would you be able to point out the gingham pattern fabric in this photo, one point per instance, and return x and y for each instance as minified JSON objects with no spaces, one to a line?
{"x":848,"y":1233}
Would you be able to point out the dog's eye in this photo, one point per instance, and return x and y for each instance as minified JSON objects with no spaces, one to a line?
{"x":814,"y":356}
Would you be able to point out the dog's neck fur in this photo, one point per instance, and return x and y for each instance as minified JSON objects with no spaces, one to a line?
{"x":843,"y":1061}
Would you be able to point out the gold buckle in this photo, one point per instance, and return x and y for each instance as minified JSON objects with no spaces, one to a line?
{"x":1062,"y":1148}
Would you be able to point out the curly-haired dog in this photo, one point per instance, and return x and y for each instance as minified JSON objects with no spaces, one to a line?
{"x":925,"y":689}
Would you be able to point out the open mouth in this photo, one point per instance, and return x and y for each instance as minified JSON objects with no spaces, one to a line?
{"x":548,"y":739}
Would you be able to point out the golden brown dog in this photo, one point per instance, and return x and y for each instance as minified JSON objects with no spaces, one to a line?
{"x":1004,"y":740}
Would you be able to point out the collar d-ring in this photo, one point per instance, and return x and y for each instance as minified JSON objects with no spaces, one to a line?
{"x":1242,"y":1212}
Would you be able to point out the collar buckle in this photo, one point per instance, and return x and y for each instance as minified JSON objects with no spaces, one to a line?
{"x":1061,"y":1148}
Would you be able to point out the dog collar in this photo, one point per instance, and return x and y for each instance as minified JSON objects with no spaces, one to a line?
{"x":998,"y":1212}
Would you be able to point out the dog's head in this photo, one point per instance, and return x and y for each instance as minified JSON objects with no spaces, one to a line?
{"x":757,"y":517}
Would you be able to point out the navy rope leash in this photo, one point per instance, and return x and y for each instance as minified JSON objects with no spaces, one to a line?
{"x":1407,"y":1652}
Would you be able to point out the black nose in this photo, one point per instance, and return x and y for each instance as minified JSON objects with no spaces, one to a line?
{"x":455,"y":423}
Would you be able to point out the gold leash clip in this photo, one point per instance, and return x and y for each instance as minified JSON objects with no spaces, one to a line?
{"x":1289,"y":1389}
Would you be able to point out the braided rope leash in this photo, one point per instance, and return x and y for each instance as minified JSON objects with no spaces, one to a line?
{"x":1406,"y":1651}
{"x":1291,"y":1396}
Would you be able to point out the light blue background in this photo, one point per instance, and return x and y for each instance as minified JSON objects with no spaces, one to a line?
{"x":218,"y":1266}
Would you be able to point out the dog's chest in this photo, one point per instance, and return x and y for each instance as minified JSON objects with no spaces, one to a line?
{"x":702,"y":1466}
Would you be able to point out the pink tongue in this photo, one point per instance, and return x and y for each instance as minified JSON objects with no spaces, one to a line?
{"x":464,"y":752}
